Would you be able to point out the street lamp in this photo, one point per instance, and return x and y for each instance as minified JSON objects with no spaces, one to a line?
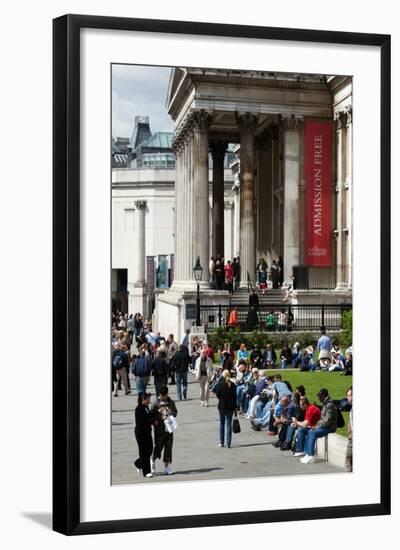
{"x":198,"y":273}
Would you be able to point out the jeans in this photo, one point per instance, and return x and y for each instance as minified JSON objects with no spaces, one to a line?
{"x":289,"y":434}
{"x":225,"y":417}
{"x":283,"y":364}
{"x":181,"y":385}
{"x":306,"y":439}
{"x":141,"y":384}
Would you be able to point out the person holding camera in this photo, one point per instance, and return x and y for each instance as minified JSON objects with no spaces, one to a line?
{"x":163,"y":439}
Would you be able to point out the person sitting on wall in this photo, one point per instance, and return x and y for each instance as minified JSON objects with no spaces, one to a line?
{"x":269,"y":357}
{"x":286,"y":356}
{"x":256,"y":356}
{"x":307,"y":360}
{"x":296,"y":355}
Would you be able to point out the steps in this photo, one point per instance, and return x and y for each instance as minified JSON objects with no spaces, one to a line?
{"x":271,"y":296}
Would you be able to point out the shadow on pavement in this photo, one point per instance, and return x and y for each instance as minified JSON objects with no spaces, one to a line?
{"x":196,"y":471}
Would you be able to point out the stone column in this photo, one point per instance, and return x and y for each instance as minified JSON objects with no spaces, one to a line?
{"x":340,"y":119}
{"x":247,"y":123}
{"x":236,"y":222}
{"x":140,"y":287}
{"x":177,"y":146}
{"x":293,"y":125}
{"x":349,"y":190}
{"x":229,"y":233}
{"x":200,"y":238}
{"x":218,"y":154}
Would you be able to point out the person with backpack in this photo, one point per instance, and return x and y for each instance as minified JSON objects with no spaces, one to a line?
{"x":159,"y":369}
{"x":327,"y":424}
{"x":226,"y":395}
{"x":120,"y":365}
{"x":141,"y":371}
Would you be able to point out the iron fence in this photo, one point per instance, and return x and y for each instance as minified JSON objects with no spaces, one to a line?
{"x":276,"y":318}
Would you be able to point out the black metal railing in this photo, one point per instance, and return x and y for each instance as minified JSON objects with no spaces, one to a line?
{"x":275,"y":318}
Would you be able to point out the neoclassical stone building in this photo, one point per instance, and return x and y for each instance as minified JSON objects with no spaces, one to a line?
{"x":293,"y":198}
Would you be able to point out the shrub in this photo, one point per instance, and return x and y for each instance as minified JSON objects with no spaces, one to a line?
{"x":346,"y":337}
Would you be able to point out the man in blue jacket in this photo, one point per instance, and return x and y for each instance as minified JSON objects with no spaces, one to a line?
{"x":141,"y":371}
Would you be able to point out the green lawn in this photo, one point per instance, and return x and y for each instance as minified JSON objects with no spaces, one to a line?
{"x":314,"y":381}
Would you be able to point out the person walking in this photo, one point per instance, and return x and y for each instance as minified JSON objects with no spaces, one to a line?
{"x":120,"y":364}
{"x":143,"y":422}
{"x":141,"y":371}
{"x":159,"y":369}
{"x":226,"y":394}
{"x":204,"y":369}
{"x":181,"y":362}
{"x":163,"y":439}
{"x":172,"y":347}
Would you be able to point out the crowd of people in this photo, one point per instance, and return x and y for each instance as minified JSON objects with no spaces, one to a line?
{"x":241,"y":383}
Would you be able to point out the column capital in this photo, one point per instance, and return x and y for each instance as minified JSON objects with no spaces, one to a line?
{"x":228,"y":205}
{"x":246,"y":122}
{"x":349,"y":112}
{"x":292,"y":122}
{"x":141,"y":205}
{"x":200,"y":120}
{"x":340,"y":119}
{"x":218,"y":149}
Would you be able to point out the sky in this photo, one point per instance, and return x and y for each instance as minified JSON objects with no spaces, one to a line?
{"x":139,"y":91}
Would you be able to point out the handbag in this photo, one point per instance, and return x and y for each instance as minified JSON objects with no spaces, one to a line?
{"x":236,"y":425}
{"x":170,"y":424}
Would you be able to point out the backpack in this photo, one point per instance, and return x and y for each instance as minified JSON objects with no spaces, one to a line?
{"x":117,"y":362}
{"x":340,"y":419}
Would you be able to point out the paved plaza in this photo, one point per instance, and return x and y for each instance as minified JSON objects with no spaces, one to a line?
{"x":196,"y":454}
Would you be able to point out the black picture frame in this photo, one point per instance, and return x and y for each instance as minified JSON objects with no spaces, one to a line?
{"x":66,"y":273}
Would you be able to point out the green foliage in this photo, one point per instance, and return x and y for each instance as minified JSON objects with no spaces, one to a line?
{"x":346,"y":338}
{"x":235,"y":337}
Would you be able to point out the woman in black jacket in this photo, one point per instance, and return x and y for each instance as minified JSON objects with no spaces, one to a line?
{"x":226,"y":394}
{"x":143,"y":423}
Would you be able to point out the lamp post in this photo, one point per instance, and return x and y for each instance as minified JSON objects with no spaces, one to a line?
{"x":198,"y":273}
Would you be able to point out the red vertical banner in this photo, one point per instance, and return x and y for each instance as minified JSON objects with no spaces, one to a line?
{"x":318,"y":170}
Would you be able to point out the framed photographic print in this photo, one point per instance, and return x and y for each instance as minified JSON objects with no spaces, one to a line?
{"x":221,"y":254}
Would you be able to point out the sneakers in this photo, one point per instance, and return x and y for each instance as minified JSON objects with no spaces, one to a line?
{"x":221,"y":445}
{"x":307,"y":459}
{"x":206,"y":404}
{"x":300,"y":453}
{"x":277,"y":443}
{"x":152,"y":466}
{"x":168,"y":471}
{"x":149,"y":475}
{"x":128,"y":392}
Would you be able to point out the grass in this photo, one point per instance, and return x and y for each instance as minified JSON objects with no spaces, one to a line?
{"x":314,"y":381}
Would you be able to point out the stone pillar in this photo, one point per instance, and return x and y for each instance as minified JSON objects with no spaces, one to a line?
{"x":236,"y":222}
{"x":229,"y":233}
{"x":293,"y":125}
{"x":247,"y":123}
{"x":200,"y":238}
{"x":340,"y":119}
{"x":177,"y":146}
{"x":349,"y":192}
{"x":218,"y":154}
{"x":140,"y":287}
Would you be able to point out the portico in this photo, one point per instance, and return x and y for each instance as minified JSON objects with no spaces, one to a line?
{"x":264,"y":114}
